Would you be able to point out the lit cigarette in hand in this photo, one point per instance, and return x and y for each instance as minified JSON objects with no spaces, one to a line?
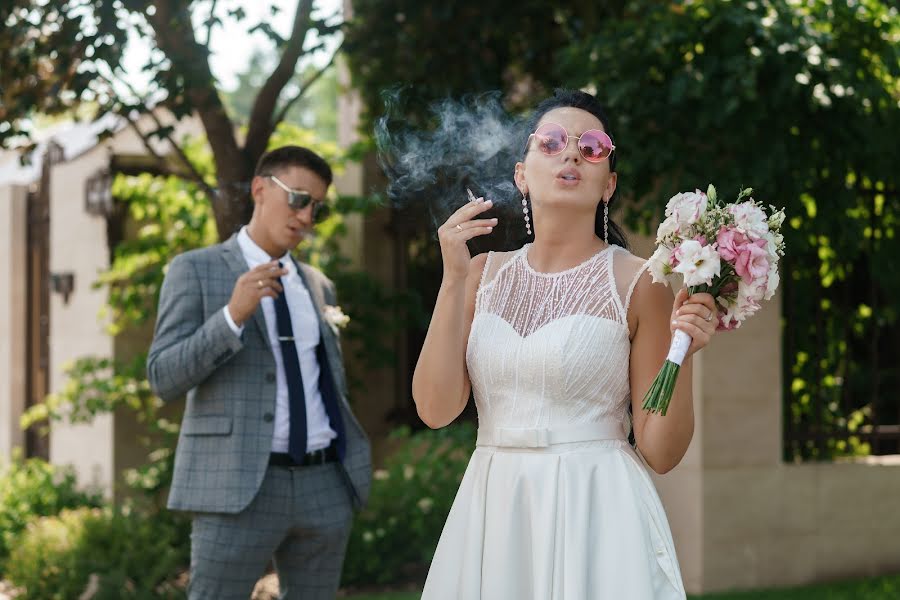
{"x":472,"y":197}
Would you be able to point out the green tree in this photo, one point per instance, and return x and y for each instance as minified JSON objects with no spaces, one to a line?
{"x":318,"y":112}
{"x":800,"y":100}
{"x":56,"y":55}
{"x":441,"y":49}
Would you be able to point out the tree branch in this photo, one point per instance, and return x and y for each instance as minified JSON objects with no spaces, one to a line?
{"x":303,"y":89}
{"x":163,"y":164}
{"x":189,"y":60}
{"x":175,"y":37}
{"x":193,"y":173}
{"x":210,"y":23}
{"x":261,"y":123}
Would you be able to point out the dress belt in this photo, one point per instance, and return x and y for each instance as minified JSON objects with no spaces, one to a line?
{"x":542,"y":437}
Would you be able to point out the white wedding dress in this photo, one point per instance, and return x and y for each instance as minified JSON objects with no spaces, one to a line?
{"x":555,"y":504}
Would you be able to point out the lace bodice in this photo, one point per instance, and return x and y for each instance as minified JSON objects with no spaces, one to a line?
{"x":552,"y":349}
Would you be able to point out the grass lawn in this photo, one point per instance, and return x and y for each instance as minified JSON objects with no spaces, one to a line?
{"x":880,"y":588}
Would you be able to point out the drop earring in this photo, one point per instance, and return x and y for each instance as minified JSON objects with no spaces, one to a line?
{"x":525,"y":211}
{"x":606,"y":222}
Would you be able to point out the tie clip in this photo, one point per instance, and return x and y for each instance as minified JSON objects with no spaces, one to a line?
{"x":285,"y":338}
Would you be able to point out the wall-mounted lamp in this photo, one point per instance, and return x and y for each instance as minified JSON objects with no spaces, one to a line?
{"x":63,"y":284}
{"x":98,"y":198}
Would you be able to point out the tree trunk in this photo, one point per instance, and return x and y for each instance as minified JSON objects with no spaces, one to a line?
{"x":232,"y":205}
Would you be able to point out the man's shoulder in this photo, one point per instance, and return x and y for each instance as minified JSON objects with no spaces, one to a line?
{"x":314,"y":275}
{"x":201,"y":256}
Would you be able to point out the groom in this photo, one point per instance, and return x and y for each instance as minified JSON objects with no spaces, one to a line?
{"x":270,"y":459}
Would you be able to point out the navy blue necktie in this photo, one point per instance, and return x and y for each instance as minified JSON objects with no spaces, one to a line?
{"x":296,"y":396}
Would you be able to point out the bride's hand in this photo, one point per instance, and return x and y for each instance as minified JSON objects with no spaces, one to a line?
{"x":695,"y":315}
{"x":453,"y":235}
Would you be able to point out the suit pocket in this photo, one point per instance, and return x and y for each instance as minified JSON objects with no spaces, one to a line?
{"x":207,"y":425}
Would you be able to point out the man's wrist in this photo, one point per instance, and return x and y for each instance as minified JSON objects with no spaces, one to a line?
{"x":237,"y":328}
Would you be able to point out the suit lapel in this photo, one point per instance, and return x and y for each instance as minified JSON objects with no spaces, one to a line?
{"x":235,"y":260}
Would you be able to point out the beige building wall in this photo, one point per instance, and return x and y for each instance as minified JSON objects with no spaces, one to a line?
{"x":78,"y":245}
{"x":740,"y":516}
{"x":767,"y":523}
{"x":13,"y":261}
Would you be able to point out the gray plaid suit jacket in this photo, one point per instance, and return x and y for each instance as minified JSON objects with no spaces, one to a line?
{"x":226,"y":432}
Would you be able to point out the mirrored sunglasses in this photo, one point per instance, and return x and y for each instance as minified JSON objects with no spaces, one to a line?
{"x":594,"y":145}
{"x":300,"y":199}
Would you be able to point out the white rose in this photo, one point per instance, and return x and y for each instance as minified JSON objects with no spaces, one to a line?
{"x":698,"y":264}
{"x":772,"y":281}
{"x":772,"y":247}
{"x":750,"y":219}
{"x":660,"y":265}
{"x":750,"y":294}
{"x":667,"y":228}
{"x":687,"y":207}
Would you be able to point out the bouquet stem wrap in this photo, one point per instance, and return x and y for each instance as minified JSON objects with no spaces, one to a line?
{"x":660,"y":393}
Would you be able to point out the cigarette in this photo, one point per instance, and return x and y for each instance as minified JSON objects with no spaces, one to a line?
{"x":472,"y":197}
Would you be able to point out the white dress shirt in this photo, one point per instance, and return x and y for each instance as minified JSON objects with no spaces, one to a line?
{"x":305,"y":324}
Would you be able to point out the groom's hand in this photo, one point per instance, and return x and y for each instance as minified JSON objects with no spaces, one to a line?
{"x":253,"y":286}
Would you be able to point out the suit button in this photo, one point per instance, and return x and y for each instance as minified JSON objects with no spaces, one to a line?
{"x":270,"y":377}
{"x":268,"y":417}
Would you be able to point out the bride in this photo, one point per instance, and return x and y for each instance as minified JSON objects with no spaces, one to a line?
{"x":558,"y":340}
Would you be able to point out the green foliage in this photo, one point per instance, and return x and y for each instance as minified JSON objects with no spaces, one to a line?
{"x":117,"y":554}
{"x":34,"y":488}
{"x":471,"y":47}
{"x":875,"y":588}
{"x":394,"y":537}
{"x":36,"y":76}
{"x":96,"y":386}
{"x":800,"y":100}
{"x":316,"y":113}
{"x":165,"y":216}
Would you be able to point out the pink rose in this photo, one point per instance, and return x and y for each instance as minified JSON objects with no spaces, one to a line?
{"x":752,"y":261}
{"x":729,"y":243}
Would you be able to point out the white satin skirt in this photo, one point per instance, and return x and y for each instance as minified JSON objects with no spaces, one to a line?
{"x":567,"y":521}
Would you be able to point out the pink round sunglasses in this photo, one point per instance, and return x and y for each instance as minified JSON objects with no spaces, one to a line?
{"x":594,"y":145}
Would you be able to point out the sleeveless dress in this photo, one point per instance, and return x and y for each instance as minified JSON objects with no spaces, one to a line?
{"x":555,"y":504}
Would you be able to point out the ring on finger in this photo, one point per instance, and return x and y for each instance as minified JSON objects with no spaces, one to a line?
{"x":709,"y":317}
{"x":458,"y":226}
{"x":259,"y":283}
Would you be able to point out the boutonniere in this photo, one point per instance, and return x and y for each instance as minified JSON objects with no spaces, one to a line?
{"x":335,"y":318}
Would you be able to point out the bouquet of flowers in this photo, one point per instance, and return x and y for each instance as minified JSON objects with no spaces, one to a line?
{"x":730,"y":251}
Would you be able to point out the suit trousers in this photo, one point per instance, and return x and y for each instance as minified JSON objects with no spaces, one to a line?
{"x":300,"y":519}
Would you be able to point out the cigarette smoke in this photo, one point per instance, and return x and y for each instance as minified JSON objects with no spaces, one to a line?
{"x":474,"y":143}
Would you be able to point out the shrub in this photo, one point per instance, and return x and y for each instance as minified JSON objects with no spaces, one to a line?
{"x":394,"y":537}
{"x":35,"y":488}
{"x":116,"y":554}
